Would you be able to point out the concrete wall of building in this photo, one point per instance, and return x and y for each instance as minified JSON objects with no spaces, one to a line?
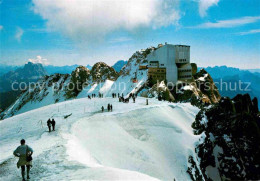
{"x":171,"y":57}
{"x":171,"y":69}
{"x":159,"y":55}
{"x":182,"y":54}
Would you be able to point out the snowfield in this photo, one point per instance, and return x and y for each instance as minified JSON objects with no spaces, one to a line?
{"x":134,"y":142}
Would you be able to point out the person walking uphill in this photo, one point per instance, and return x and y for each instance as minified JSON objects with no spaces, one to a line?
{"x":53,"y":124}
{"x":49,"y":124}
{"x":24,"y":152}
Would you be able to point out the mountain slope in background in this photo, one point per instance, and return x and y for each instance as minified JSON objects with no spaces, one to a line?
{"x":119,"y":65}
{"x":7,"y":68}
{"x":232,"y":81}
{"x":54,"y":88}
{"x":29,"y":73}
{"x":10,"y":90}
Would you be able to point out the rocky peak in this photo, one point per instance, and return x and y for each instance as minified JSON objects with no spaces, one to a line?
{"x":101,"y":72}
{"x":79,"y":79}
{"x":29,"y":71}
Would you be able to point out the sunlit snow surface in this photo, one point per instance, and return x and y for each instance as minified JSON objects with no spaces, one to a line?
{"x":134,"y":142}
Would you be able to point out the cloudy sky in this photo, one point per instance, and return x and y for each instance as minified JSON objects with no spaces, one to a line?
{"x":66,"y":32}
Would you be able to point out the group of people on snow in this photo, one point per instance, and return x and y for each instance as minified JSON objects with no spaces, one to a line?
{"x":94,"y":95}
{"x":109,"y":108}
{"x":51,"y":123}
{"x":126,"y":100}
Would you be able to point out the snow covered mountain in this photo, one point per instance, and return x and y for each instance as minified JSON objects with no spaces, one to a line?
{"x":105,"y":80}
{"x":101,"y":79}
{"x":200,"y":136}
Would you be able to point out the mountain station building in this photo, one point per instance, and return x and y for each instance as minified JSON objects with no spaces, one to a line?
{"x":170,"y":62}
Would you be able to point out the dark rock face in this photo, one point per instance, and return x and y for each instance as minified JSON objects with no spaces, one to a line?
{"x":232,"y":139}
{"x":79,"y":78}
{"x":101,"y":72}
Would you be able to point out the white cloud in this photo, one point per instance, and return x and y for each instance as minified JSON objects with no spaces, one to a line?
{"x":92,"y":20}
{"x":120,"y":40}
{"x":250,"y":32}
{"x":204,"y":5}
{"x":19,"y":34}
{"x":230,"y":23}
{"x":40,"y":60}
{"x":1,"y":27}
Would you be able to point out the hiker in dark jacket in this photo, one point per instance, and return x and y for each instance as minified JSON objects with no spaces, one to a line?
{"x":108,"y":107}
{"x":102,"y":108}
{"x":24,"y":152}
{"x":49,"y":124}
{"x":111,"y":107}
{"x":53,"y":124}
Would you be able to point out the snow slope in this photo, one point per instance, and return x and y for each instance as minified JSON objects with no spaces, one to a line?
{"x":135,"y":141}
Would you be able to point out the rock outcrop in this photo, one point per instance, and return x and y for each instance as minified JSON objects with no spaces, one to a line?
{"x":101,"y":72}
{"x":230,"y":145}
{"x":79,"y":79}
{"x":200,"y":91}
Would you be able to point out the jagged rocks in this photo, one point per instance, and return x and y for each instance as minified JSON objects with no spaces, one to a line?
{"x":231,"y":147}
{"x":201,"y":91}
{"x":79,"y":79}
{"x":160,"y":91}
{"x":101,"y":72}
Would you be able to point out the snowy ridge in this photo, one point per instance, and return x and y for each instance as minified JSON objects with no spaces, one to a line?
{"x":135,"y":141}
{"x":101,"y":79}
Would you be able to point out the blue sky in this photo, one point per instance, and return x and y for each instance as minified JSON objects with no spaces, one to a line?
{"x":220,"y":32}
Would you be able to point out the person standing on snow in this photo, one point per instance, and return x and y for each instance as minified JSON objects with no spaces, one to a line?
{"x":111,"y":107}
{"x":53,"y":124}
{"x":49,"y":124}
{"x":102,"y":108}
{"x":24,"y":153}
{"x":108,"y":107}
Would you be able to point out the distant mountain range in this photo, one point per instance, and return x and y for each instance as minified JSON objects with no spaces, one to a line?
{"x":30,"y":72}
{"x":66,"y":69}
{"x":228,"y":80}
{"x":6,"y":68}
